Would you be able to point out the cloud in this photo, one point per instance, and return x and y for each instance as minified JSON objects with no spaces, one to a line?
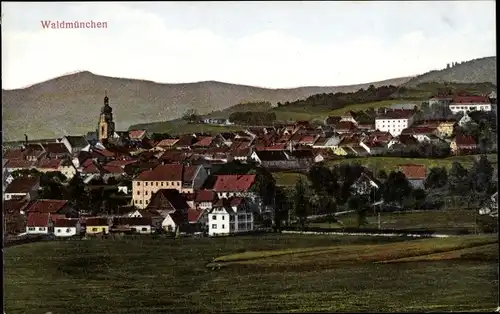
{"x":141,"y":42}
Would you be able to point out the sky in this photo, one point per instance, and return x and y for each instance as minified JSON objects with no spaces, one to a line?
{"x":266,"y":44}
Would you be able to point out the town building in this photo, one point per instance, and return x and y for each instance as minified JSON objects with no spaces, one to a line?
{"x":470,"y":103}
{"x":394,"y":121}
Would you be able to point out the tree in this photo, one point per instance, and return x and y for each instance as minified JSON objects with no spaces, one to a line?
{"x":458,"y":181}
{"x":282,"y":205}
{"x":360,"y":205}
{"x":190,"y":116}
{"x":436,"y":178}
{"x":382,"y":175}
{"x":301,"y":202}
{"x":396,"y":187}
{"x":265,"y":185}
{"x":483,"y":174}
{"x":419,"y":197}
{"x":323,"y":180}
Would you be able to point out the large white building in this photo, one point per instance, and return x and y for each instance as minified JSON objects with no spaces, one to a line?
{"x":230,"y":216}
{"x":394,"y":121}
{"x":470,"y":103}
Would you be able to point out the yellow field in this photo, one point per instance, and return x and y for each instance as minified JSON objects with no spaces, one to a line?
{"x":455,"y":247}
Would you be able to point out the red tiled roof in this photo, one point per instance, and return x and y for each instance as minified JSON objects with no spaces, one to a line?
{"x":194,"y":215}
{"x":396,"y":114}
{"x":55,"y":148}
{"x":136,"y":134}
{"x":413,"y":171}
{"x":471,"y":99}
{"x":205,"y":196}
{"x":169,"y":172}
{"x":13,"y":153}
{"x":22,"y":185}
{"x":19,"y":163}
{"x":65,"y":223}
{"x":345,"y":125}
{"x":96,"y":221}
{"x":167,"y":142}
{"x":234,"y":183}
{"x":307,"y":139}
{"x":462,"y":140}
{"x":46,"y":163}
{"x":204,"y":141}
{"x":103,"y":153}
{"x":38,"y":220}
{"x":47,"y":206}
{"x":56,"y":217}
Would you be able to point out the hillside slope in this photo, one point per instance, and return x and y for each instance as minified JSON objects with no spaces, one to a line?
{"x":70,"y":104}
{"x":474,"y":71}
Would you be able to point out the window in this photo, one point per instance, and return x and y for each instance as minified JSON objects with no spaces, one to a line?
{"x":223,"y":227}
{"x":138,"y":193}
{"x":214,"y":217}
{"x":146,"y":201}
{"x":151,"y":183}
{"x":68,"y":230}
{"x":144,"y":229}
{"x":136,"y":201}
{"x":58,"y":230}
{"x":156,"y":183}
{"x":31,"y":228}
{"x":138,"y":183}
{"x":168,"y":183}
{"x":178,"y":183}
{"x":94,"y":229}
{"x":214,"y":226}
{"x":140,"y":201}
{"x":145,"y":183}
{"x":146,"y":193}
{"x":162,"y":183}
{"x":223,"y":217}
{"x":40,"y":229}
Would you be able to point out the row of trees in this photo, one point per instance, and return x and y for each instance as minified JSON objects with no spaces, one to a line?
{"x":253,"y":117}
{"x":330,"y":188}
{"x":340,"y":100}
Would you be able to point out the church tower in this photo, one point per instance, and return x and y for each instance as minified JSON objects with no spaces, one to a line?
{"x":106,"y":126}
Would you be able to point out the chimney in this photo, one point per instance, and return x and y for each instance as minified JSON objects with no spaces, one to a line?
{"x":25,"y":139}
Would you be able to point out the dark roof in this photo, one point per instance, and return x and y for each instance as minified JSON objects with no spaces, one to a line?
{"x":234,"y":183}
{"x":38,"y":220}
{"x":302,"y":154}
{"x":22,"y":184}
{"x":169,"y":172}
{"x":77,"y":141}
{"x":55,"y":148}
{"x":168,"y":199}
{"x":132,"y":221}
{"x":96,"y":221}
{"x":205,"y":196}
{"x":66,"y":223}
{"x":47,"y":206}
{"x":271,"y":155}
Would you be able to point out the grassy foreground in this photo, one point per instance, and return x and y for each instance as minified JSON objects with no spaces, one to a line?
{"x":147,"y":275}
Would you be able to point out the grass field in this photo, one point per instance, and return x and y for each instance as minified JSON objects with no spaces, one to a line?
{"x":439,"y":220}
{"x":288,"y":178}
{"x":391,"y":163}
{"x":147,"y":275}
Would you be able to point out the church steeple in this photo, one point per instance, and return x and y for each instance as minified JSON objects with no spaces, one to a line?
{"x":106,"y":126}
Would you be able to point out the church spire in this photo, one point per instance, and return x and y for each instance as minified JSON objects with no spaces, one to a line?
{"x":106,"y":99}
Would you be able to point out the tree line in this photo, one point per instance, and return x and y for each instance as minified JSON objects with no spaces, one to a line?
{"x":253,"y":117}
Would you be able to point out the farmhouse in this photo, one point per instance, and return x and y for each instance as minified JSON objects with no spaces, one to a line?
{"x":67,"y":227}
{"x":230,"y":216}
{"x":394,"y":121}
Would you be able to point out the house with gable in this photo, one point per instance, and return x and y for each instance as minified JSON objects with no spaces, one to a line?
{"x":39,"y":223}
{"x":75,"y":144}
{"x":66,"y":227}
{"x":415,"y":174}
{"x":183,"y":178}
{"x":205,"y":199}
{"x":23,"y":187}
{"x":63,"y":166}
{"x":229,"y":216}
{"x":463,"y":144}
{"x":365,"y":184}
{"x":140,"y":225}
{"x":227,"y":186}
{"x":167,"y":201}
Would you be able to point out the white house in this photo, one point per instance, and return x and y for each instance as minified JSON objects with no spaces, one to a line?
{"x":173,"y":221}
{"x":22,"y":187}
{"x":230,"y":216}
{"x":470,"y":103}
{"x":67,"y":227}
{"x":394,"y":121}
{"x":39,"y":223}
{"x":464,"y":120}
{"x":141,"y":225}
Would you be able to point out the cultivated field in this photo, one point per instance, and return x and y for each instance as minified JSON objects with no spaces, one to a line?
{"x":321,"y":273}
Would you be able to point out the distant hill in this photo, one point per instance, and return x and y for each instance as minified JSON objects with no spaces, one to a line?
{"x":71,"y":104}
{"x":474,"y":71}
